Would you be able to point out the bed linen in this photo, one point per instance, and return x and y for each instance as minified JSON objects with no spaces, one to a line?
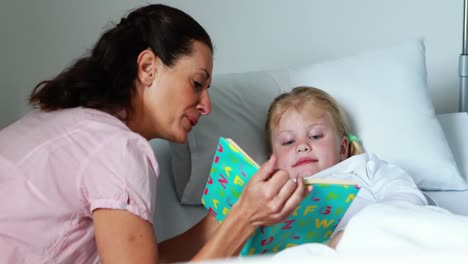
{"x":388,"y":230}
{"x":406,"y":229}
{"x":384,"y":233}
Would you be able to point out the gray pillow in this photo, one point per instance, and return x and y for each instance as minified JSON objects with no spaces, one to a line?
{"x":239,"y":107}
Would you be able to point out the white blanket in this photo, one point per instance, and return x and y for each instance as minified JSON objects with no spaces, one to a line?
{"x":405,"y":229}
{"x":384,"y":234}
{"x":395,"y":230}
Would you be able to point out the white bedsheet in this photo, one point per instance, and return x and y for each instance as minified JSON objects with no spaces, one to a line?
{"x":383,"y":233}
{"x":404,"y":230}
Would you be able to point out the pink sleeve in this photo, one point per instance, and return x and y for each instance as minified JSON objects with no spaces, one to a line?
{"x":121,"y":174}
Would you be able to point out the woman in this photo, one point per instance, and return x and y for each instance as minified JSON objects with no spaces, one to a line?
{"x":79,"y":174}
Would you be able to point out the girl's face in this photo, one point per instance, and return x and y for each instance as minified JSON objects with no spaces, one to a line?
{"x":179,"y":96}
{"x":307,"y":142}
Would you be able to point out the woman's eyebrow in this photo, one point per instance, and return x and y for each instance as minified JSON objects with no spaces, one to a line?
{"x":206,"y":73}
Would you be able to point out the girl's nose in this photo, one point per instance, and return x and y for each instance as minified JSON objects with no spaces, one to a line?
{"x":303,"y":148}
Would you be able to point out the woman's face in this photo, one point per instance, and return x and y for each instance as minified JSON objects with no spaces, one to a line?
{"x":179,"y":96}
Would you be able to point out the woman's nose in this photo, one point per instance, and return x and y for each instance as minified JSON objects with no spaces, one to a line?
{"x":204,"y":107}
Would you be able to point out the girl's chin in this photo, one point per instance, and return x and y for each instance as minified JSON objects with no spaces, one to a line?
{"x":306,"y":173}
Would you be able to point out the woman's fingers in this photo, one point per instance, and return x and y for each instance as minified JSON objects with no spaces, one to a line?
{"x":287,"y":196}
{"x":266,"y":170}
{"x":293,"y":200}
{"x":271,"y":195}
{"x":279,"y":179}
{"x":285,"y":188}
{"x":275,"y":179}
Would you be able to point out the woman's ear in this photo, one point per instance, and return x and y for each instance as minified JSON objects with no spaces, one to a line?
{"x":147,"y":67}
{"x":344,"y":149}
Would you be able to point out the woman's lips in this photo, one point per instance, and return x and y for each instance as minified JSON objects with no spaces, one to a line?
{"x":304,"y":161}
{"x":193,"y":120}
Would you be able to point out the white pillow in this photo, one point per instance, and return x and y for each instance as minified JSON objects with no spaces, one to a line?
{"x":386,"y":98}
{"x":384,"y":93}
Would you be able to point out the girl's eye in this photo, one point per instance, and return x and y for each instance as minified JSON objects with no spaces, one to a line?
{"x":316,"y":137}
{"x":287,"y":143}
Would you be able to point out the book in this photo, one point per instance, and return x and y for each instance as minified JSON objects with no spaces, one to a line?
{"x":314,"y":220}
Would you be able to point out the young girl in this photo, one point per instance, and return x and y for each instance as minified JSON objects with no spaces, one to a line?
{"x":309,"y":133}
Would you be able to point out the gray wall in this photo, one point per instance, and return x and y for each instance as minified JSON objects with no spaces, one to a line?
{"x":39,"y":38}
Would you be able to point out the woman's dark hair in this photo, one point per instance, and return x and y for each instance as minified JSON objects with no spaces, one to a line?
{"x":104,"y":79}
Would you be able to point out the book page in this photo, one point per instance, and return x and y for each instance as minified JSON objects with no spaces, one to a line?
{"x":311,"y":180}
{"x":242,"y":151}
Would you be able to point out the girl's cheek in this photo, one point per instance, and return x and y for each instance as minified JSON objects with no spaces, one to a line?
{"x":282,"y":160}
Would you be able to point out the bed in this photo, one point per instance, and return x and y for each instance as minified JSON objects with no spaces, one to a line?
{"x":389,"y":108}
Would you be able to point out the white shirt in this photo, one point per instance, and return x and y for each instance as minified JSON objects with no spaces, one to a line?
{"x":380,"y":182}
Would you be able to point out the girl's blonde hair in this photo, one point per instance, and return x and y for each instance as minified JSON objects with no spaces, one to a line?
{"x":301,"y":96}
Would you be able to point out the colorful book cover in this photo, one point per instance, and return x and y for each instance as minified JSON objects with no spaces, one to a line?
{"x":314,"y":220}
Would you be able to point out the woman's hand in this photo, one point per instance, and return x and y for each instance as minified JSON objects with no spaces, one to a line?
{"x":270,"y":196}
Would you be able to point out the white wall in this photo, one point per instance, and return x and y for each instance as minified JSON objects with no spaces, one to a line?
{"x":39,"y":38}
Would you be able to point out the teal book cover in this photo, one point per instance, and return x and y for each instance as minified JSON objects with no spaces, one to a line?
{"x":314,"y":220}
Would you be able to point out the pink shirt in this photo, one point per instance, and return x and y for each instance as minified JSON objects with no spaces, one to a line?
{"x":55,"y":169}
